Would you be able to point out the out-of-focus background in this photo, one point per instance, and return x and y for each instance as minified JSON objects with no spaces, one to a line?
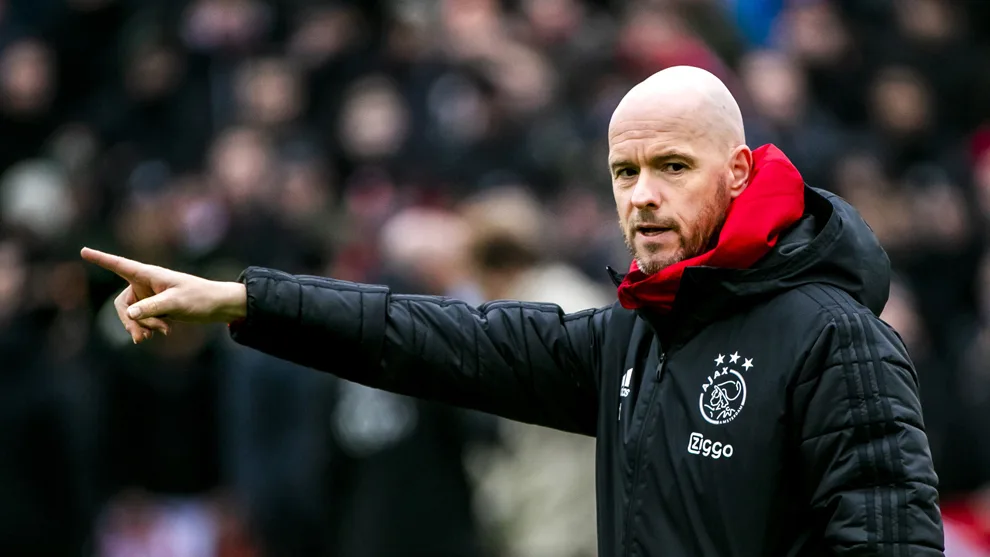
{"x":449,"y":147}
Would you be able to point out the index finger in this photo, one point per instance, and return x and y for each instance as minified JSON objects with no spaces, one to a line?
{"x":126,"y":268}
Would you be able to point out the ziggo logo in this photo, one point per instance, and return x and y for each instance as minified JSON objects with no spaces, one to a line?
{"x":705,"y":447}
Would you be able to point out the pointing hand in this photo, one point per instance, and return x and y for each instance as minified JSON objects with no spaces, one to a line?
{"x":155,"y":294}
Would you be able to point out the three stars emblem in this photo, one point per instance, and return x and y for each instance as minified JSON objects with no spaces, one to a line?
{"x":734,"y":358}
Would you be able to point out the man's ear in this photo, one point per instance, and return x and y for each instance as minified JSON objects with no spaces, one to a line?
{"x":740,"y":167}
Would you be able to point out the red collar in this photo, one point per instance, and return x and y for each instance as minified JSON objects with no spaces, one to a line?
{"x":770,"y":204}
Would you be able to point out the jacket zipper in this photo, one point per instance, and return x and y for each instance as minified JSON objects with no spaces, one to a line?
{"x":639,"y":451}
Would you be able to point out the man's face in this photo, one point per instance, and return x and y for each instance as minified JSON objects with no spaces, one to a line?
{"x":671,"y":188}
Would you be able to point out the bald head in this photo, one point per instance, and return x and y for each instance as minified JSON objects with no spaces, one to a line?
{"x":677,"y":156}
{"x":686,"y":95}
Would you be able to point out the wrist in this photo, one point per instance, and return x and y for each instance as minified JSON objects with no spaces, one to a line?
{"x":234,"y":302}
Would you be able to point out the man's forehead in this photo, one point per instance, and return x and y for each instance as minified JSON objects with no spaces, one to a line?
{"x":657,"y":114}
{"x":683,"y":104}
{"x":683,"y":133}
{"x":632,"y":126}
{"x":654,"y":105}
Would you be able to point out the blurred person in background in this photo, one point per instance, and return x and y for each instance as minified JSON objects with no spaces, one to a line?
{"x":376,"y":462}
{"x":28,"y":86}
{"x":729,"y":246}
{"x":538,"y":486}
{"x":951,"y":424}
{"x":816,"y":35}
{"x":785,"y":114}
{"x":47,"y":473}
{"x":967,"y":495}
{"x":48,"y":496}
{"x":510,"y":249}
{"x":155,"y":111}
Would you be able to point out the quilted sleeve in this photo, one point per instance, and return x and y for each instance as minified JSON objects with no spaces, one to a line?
{"x":866,"y":465}
{"x":526,"y":362}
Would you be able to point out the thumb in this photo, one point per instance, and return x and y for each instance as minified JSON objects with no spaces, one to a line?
{"x":155,"y":306}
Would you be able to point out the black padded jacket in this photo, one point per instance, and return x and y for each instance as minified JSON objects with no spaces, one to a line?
{"x":771,"y":413}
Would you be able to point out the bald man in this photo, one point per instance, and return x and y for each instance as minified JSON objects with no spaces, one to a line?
{"x":746,"y":398}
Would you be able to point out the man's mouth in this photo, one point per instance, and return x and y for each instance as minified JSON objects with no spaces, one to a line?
{"x":650,"y":230}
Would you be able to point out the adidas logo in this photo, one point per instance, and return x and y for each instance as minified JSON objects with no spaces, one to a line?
{"x":626,"y":382}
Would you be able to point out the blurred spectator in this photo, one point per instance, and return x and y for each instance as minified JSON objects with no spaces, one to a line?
{"x":539,"y":489}
{"x":322,"y":465}
{"x":429,"y":248}
{"x":657,"y":37}
{"x":46,"y":435}
{"x":28,"y":80}
{"x":815,"y":34}
{"x":137,"y":523}
{"x":901,"y":109}
{"x":271,"y":94}
{"x":27,"y":94}
{"x":783,"y":113}
{"x":980,"y":151}
{"x":375,"y":120}
{"x":34,"y":197}
{"x":225,"y":26}
{"x":321,"y":32}
{"x":511,"y":252}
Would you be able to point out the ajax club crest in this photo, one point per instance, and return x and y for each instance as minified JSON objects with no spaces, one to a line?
{"x":724,"y":393}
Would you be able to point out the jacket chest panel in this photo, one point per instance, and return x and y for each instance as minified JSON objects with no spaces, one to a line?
{"x":710,"y":426}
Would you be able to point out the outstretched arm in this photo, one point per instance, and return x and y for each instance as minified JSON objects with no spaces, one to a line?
{"x":527,"y":362}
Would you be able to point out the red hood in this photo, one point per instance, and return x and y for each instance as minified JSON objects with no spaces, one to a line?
{"x":771,"y":203}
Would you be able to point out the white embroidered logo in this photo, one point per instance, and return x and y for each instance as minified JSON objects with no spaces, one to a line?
{"x":626,"y":381}
{"x":624,"y":390}
{"x":724,"y":393}
{"x":697,"y":444}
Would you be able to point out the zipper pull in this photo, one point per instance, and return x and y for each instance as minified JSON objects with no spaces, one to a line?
{"x":663,"y":359}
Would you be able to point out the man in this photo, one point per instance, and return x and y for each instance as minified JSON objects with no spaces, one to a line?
{"x":745,"y":397}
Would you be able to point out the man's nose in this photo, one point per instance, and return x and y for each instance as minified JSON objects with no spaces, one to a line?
{"x":646,"y":194}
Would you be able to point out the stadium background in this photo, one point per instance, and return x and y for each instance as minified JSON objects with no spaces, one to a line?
{"x":439,"y":146}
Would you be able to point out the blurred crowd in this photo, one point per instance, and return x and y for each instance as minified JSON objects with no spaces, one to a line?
{"x":452,"y":147}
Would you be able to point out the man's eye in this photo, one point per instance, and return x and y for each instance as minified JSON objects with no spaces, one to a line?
{"x":675,"y":167}
{"x":625,"y":172}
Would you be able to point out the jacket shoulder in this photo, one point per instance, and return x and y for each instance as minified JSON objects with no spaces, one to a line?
{"x":819,"y":305}
{"x":804,"y":311}
{"x":839,"y":308}
{"x":621,"y":324}
{"x":825,"y":314}
{"x":830,"y":300}
{"x":849,"y":332}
